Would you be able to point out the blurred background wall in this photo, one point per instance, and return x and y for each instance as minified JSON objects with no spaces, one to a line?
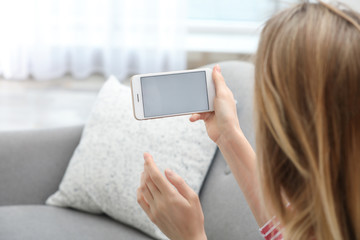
{"x":46,"y":39}
{"x":62,"y":51}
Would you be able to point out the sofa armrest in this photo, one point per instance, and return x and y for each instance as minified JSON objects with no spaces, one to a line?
{"x":33,"y":162}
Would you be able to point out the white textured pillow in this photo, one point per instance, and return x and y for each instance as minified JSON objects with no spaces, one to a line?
{"x":105,"y":170}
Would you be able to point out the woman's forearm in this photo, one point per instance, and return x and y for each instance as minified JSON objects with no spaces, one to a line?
{"x":241,"y":159}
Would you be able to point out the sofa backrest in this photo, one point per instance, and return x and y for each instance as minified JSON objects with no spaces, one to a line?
{"x":26,"y":174}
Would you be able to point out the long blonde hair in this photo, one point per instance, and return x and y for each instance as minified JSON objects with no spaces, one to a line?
{"x":307,"y":100}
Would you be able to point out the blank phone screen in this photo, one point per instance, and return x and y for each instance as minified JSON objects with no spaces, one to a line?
{"x":174,"y":94}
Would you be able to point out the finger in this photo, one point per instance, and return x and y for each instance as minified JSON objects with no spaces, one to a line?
{"x":195,"y":117}
{"x":146,"y":193}
{"x":142,"y":180}
{"x":157,"y":178}
{"x":143,"y":185}
{"x":143,"y":204}
{"x":219,"y":82}
{"x":153,"y":189}
{"x":199,"y":116}
{"x":140,"y":198}
{"x":180,"y":184}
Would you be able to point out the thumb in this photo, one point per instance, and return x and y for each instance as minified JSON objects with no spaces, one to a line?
{"x":200,"y":116}
{"x":219,"y":81}
{"x":180,"y":184}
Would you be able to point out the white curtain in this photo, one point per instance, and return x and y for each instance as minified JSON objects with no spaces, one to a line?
{"x":46,"y":39}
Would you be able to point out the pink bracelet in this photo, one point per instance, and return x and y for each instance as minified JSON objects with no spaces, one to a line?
{"x":271,"y":230}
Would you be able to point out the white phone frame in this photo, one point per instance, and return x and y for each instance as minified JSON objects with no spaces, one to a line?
{"x":136,"y":92}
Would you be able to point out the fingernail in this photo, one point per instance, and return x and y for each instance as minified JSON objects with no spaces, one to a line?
{"x":146,"y":158}
{"x":169,"y":172}
{"x":217,"y":68}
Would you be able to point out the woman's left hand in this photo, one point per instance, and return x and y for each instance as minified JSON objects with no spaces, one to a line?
{"x":176,"y":211}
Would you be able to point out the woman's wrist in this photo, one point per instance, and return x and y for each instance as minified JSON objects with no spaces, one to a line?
{"x":239,"y":155}
{"x":232,"y":135}
{"x":242,"y":161}
{"x":201,"y":236}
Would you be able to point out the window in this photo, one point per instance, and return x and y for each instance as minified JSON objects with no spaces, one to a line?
{"x":229,"y":26}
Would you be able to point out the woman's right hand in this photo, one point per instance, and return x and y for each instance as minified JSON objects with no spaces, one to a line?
{"x":223,"y":128}
{"x":223,"y":122}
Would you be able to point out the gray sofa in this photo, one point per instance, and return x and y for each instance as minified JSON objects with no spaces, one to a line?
{"x":32,"y":164}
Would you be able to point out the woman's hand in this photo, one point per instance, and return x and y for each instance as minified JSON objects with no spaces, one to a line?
{"x":223,"y":128}
{"x":176,"y":211}
{"x":223,"y":121}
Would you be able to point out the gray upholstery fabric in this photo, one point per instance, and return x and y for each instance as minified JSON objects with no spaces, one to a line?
{"x":46,"y":222}
{"x":32,"y":163}
{"x":227,"y":215}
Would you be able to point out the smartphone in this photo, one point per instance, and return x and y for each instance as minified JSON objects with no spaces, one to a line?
{"x":167,"y":94}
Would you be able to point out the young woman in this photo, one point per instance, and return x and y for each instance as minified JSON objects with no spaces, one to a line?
{"x":307,"y":102}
